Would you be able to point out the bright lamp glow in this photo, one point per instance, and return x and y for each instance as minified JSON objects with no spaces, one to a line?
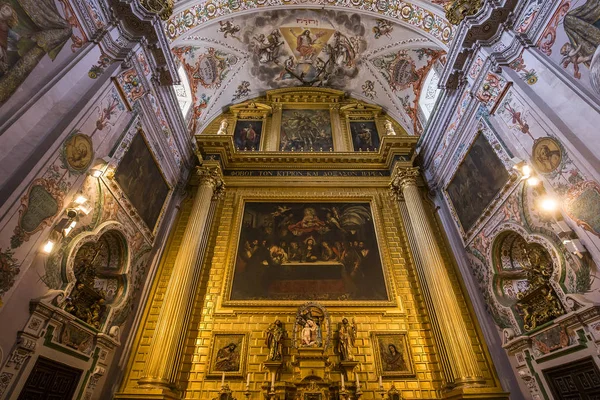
{"x":549,"y":204}
{"x":80,"y":199}
{"x":533,"y":181}
{"x":526,"y":169}
{"x":96,"y":173}
{"x":48,"y":247}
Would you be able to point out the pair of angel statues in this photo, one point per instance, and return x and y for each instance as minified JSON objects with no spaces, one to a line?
{"x":275,"y":335}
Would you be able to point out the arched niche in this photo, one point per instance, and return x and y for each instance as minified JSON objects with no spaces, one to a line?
{"x":526,"y":277}
{"x":96,"y":272}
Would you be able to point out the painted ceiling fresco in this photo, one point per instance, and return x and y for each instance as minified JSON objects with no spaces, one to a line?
{"x":232,"y":60}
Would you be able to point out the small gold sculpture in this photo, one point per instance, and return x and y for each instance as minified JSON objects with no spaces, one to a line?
{"x":164,"y":8}
{"x":274,"y":340}
{"x":347,"y":336}
{"x":457,"y":10}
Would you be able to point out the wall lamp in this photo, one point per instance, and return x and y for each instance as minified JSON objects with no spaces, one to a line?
{"x":80,"y":206}
{"x":99,"y":168}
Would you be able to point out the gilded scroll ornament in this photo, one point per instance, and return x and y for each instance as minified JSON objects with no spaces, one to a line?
{"x":457,"y":10}
{"x":164,"y":8}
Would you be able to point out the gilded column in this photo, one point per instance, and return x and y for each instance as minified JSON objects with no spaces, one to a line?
{"x":167,"y":342}
{"x":445,"y":311}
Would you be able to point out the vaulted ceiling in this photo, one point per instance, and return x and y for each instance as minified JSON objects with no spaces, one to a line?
{"x":380,"y":52}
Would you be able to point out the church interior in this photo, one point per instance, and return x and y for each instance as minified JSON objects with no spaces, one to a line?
{"x":299,"y":199}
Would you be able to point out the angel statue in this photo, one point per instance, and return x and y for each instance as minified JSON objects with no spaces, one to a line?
{"x":347,"y":336}
{"x":274,"y":341}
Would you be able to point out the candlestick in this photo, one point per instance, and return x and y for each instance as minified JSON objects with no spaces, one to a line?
{"x":273,"y":380}
{"x":357,"y":381}
{"x":380,"y":382}
{"x":343,"y":385}
{"x":223,"y":379}
{"x":248,"y":380}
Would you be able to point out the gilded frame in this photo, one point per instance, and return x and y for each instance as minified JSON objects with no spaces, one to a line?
{"x":245,"y":341}
{"x":306,"y":195}
{"x":378,"y":127}
{"x":410,"y":372}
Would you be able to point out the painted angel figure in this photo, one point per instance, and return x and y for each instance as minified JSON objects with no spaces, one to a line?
{"x":347,"y":336}
{"x":274,"y":341}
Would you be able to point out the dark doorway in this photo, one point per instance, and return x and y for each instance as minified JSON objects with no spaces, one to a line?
{"x":574,"y":381}
{"x":50,"y":380}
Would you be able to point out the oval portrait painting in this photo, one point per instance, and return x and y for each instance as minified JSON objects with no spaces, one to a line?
{"x":79,"y":152}
{"x":547,"y":155}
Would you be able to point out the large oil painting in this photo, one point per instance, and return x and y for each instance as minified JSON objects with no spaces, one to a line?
{"x":364,"y":135}
{"x":306,"y":130}
{"x":142,"y":182}
{"x":392,"y":354}
{"x":30,"y":30}
{"x":247,"y":134}
{"x":478,"y":179}
{"x":308,"y":251}
{"x":228,"y":354}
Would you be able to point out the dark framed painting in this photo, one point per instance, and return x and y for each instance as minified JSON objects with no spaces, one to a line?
{"x":392,"y":354}
{"x":142,"y":181}
{"x":247,"y":134}
{"x":305,"y":130}
{"x":364,"y":135}
{"x":308,"y":251}
{"x":228,"y":354}
{"x":478,"y":179}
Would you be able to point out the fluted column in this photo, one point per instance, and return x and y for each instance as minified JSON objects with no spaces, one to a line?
{"x":442,"y":302}
{"x":167,"y":341}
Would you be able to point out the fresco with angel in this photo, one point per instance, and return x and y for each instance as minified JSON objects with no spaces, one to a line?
{"x":308,"y":251}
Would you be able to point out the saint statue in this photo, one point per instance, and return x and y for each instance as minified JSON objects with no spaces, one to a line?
{"x":223,"y":127}
{"x":274,"y":341}
{"x":389,"y":128}
{"x":347,"y":335}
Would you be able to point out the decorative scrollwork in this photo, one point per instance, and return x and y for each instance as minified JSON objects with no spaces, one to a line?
{"x":457,"y":10}
{"x":164,"y":8}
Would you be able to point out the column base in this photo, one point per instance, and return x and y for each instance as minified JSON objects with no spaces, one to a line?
{"x":140,"y":393}
{"x":475,"y":392}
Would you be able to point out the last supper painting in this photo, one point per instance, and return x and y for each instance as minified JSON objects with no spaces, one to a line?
{"x":308,"y":251}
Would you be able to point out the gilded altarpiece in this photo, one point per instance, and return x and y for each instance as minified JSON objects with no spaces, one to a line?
{"x":315,"y":192}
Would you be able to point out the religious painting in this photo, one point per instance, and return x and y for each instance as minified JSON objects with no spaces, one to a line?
{"x":247,"y":134}
{"x":312,"y":327}
{"x":547,"y":155}
{"x":477,"y":181}
{"x":228,"y":354}
{"x":582,"y":204}
{"x":306,"y":130}
{"x":139,"y":175}
{"x":364,"y":135}
{"x":571,"y":40}
{"x":78,"y":152}
{"x":30,"y":30}
{"x":392,"y":354}
{"x":308,"y":251}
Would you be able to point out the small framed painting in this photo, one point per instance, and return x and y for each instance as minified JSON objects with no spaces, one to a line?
{"x":228,"y":354}
{"x":364,"y":135}
{"x":392,"y":354}
{"x":247,"y":134}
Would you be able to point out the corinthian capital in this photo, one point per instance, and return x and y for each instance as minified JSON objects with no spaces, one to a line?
{"x":213,"y":177}
{"x":403,"y":177}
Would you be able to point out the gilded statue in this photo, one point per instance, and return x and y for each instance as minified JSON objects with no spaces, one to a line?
{"x":347,"y":336}
{"x":274,"y":341}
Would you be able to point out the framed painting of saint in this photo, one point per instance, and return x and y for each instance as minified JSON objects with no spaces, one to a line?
{"x":478,"y":179}
{"x":137,"y":174}
{"x":364,"y":135}
{"x":305,"y":130}
{"x":228,"y":354}
{"x":308,"y":251}
{"x":247,"y":134}
{"x":392,"y":354}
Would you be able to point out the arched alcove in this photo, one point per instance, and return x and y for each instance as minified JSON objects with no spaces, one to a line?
{"x":98,"y":268}
{"x":523,"y":271}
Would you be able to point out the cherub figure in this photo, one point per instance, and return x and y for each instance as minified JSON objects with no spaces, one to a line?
{"x":228,"y":28}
